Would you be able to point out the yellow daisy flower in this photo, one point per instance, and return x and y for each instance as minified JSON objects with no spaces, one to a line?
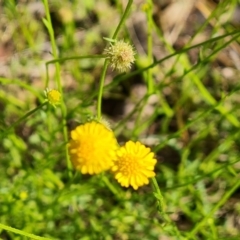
{"x":92,"y":148}
{"x":134,"y":165}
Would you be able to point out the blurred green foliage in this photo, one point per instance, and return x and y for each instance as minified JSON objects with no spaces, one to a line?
{"x":196,"y":141}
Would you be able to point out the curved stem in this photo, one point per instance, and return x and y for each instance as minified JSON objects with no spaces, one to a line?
{"x":223,"y":200}
{"x":23,"y":85}
{"x":26,"y":116}
{"x":100,"y":93}
{"x":162,"y":208}
{"x":110,"y":186}
{"x":124,"y":16}
{"x":48,"y":23}
{"x":20,"y":232}
{"x":49,"y":26}
{"x":159,"y":197}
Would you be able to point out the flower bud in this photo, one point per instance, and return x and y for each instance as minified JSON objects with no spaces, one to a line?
{"x":53,"y":96}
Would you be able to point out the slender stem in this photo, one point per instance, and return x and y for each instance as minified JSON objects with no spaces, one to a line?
{"x":162,"y":208}
{"x":20,"y":232}
{"x":110,"y":186}
{"x":49,"y":26}
{"x":26,"y":116}
{"x":216,"y":207}
{"x":74,"y":58}
{"x":155,"y":63}
{"x":100,"y":93}
{"x":150,"y":48}
{"x":60,"y":60}
{"x":211,"y":100}
{"x":53,"y":44}
{"x":159,"y":197}
{"x":23,"y":85}
{"x":102,"y":79}
{"x":124,"y":16}
{"x":207,"y":96}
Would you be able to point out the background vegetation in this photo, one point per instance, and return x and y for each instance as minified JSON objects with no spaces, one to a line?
{"x":181,"y":99}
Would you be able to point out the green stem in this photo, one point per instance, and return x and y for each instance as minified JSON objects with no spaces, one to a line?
{"x":22,"y":84}
{"x":53,"y":43}
{"x":17,"y":231}
{"x":211,"y":100}
{"x":124,"y":16}
{"x":49,"y":26}
{"x":74,"y":58}
{"x":158,"y":195}
{"x":216,"y":207}
{"x":100,"y":94}
{"x":26,"y":116}
{"x":60,"y":60}
{"x":150,"y":48}
{"x":131,"y":74}
{"x":110,"y":186}
{"x":162,"y":208}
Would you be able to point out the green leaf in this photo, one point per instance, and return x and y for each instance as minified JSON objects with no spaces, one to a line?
{"x":109,"y":39}
{"x":46,"y":23}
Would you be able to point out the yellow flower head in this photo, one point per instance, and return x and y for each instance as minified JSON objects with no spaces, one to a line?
{"x":92,"y":148}
{"x":120,"y":55}
{"x":53,"y":96}
{"x":134,"y":165}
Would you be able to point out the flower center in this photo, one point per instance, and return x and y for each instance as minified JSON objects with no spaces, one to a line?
{"x":128,"y":165}
{"x":87,"y":149}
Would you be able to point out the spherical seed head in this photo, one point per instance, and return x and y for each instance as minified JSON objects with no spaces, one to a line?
{"x":53,"y":96}
{"x":120,"y":55}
